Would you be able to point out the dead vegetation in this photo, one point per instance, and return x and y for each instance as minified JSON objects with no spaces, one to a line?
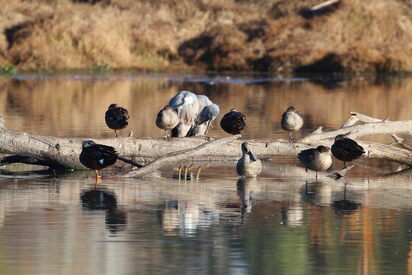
{"x":277,"y":35}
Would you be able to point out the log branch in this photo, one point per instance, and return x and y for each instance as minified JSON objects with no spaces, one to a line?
{"x":176,"y":157}
{"x":63,"y":152}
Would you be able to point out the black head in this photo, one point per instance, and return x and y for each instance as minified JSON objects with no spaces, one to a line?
{"x":322,"y":149}
{"x":88,"y":143}
{"x":290,"y":109}
{"x":342,"y":136}
{"x":338,"y":137}
{"x":245,"y":147}
{"x":111,"y":106}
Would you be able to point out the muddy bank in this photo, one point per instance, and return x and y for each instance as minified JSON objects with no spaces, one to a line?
{"x":277,"y":36}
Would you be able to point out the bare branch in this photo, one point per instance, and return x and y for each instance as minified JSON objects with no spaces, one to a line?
{"x":178,"y":156}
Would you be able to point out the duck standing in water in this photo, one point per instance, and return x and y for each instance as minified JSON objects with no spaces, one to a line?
{"x":346,"y":149}
{"x":316,"y":159}
{"x":233,"y":122}
{"x":167,"y":119}
{"x":97,"y":156}
{"x":291,"y":121}
{"x":116,"y":118}
{"x":248,"y":165}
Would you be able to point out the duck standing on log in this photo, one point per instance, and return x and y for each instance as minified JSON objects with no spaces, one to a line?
{"x":98,"y":156}
{"x":167,"y":119}
{"x":233,"y":122}
{"x":316,"y":159}
{"x":346,"y":149}
{"x":248,"y":165}
{"x":291,"y":121}
{"x":116,"y":118}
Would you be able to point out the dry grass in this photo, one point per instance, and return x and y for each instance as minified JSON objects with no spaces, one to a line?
{"x":231,"y":34}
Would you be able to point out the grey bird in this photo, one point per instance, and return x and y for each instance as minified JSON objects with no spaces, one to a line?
{"x":316,"y":159}
{"x":346,"y":149}
{"x":205,"y":118}
{"x":167,"y":119}
{"x":291,"y":121}
{"x":186,"y":104}
{"x":116,"y":117}
{"x":248,"y":165}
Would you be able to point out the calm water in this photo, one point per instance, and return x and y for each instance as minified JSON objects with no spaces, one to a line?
{"x":280,"y":223}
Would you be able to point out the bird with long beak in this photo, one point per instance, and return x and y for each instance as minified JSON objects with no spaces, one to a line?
{"x":248,"y":165}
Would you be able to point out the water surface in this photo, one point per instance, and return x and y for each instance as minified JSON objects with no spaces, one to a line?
{"x":280,"y":223}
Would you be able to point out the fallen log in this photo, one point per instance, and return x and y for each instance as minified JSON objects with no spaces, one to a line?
{"x":63,"y":152}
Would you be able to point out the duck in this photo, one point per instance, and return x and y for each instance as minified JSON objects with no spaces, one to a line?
{"x":291,"y":121}
{"x":116,"y":117}
{"x":97,"y":156}
{"x":248,"y":165}
{"x":233,"y":122}
{"x":346,"y":149}
{"x":167,"y":119}
{"x":316,"y":159}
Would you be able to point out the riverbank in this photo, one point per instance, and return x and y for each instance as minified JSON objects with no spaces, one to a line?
{"x":256,"y":35}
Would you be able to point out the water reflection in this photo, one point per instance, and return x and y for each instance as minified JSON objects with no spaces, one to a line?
{"x":57,"y":105}
{"x":345,"y":206}
{"x":95,"y":199}
{"x":280,"y":223}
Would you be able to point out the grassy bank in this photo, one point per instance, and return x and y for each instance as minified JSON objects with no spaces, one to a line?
{"x":272,"y":35}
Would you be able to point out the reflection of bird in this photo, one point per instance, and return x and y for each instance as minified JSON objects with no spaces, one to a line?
{"x":233,"y":122}
{"x":345,"y":206}
{"x":346,"y":149}
{"x":248,"y":165}
{"x":98,"y":156}
{"x":104,"y":200}
{"x":98,"y":200}
{"x":316,"y":159}
{"x":291,"y":121}
{"x":116,"y":117}
{"x":167,"y":119}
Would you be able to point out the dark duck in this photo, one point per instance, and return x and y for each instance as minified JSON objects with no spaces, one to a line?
{"x":97,"y":156}
{"x":346,"y":149}
{"x":233,"y":122}
{"x":116,"y":118}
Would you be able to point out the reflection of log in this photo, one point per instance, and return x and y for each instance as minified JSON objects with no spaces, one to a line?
{"x":63,"y":152}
